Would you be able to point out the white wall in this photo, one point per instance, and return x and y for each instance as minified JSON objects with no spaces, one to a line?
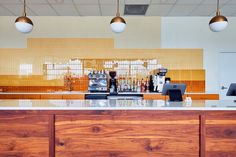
{"x":141,"y":32}
{"x":193,"y":32}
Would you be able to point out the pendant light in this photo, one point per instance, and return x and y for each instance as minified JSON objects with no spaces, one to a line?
{"x":118,"y":24}
{"x":219,"y":22}
{"x":23,"y":24}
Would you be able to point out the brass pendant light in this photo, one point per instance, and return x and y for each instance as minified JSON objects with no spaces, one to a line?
{"x":23,"y":24}
{"x":118,"y":24}
{"x":219,"y":22}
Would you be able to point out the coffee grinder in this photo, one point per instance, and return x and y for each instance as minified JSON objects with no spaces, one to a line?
{"x":112,"y":82}
{"x":159,"y":79}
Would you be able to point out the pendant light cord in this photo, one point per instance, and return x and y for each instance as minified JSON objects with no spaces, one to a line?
{"x":118,"y":10}
{"x":218,"y":8}
{"x":24,"y":9}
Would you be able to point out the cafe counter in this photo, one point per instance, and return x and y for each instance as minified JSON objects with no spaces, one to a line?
{"x":117,"y":128}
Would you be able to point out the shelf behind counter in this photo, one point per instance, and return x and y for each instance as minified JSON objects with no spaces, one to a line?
{"x":81,"y":95}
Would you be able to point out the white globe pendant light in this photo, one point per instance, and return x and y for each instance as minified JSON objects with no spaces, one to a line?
{"x":219,"y":22}
{"x":23,"y":24}
{"x":118,"y":24}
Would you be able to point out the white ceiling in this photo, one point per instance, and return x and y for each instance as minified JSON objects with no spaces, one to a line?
{"x":108,"y":7}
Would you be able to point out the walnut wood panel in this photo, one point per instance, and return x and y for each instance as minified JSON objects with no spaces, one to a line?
{"x":117,"y":154}
{"x":202,"y":132}
{"x":221,"y":154}
{"x":118,"y":133}
{"x":127,"y":133}
{"x":110,"y":115}
{"x":221,"y":134}
{"x":24,"y":136}
{"x":52,"y":135}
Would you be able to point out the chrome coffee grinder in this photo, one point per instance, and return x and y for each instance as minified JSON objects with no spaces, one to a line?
{"x":113,"y":82}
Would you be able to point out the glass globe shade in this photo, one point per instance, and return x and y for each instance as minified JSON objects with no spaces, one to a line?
{"x":218,"y":23}
{"x":218,"y":26}
{"x":118,"y":27}
{"x":24,"y":24}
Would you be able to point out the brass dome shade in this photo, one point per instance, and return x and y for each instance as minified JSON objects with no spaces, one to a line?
{"x":219,"y":22}
{"x":24,"y":19}
{"x":23,"y":23}
{"x":218,"y":18}
{"x":118,"y":19}
{"x":118,"y":24}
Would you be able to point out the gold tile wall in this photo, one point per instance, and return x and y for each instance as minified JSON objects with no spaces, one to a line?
{"x":24,"y":67}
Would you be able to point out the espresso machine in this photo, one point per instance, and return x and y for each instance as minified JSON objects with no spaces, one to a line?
{"x":97,"y":81}
{"x":113,"y":82}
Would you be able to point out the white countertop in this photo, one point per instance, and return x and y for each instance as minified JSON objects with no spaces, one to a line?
{"x":77,"y":92}
{"x":213,"y":105}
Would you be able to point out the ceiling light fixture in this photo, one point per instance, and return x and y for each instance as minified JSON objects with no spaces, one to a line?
{"x":23,"y":23}
{"x":219,"y":22}
{"x":118,"y":24}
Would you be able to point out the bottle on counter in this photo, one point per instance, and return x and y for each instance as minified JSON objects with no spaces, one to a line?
{"x":138,"y":86}
{"x":151,"y":87}
{"x":142,"y":85}
{"x":126,"y":83}
{"x":118,"y":88}
{"x":130,"y":85}
{"x":121,"y":83}
{"x":133,"y":86}
{"x":147,"y":85}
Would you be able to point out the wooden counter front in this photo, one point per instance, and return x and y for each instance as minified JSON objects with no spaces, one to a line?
{"x":24,"y":135}
{"x":125,"y":133}
{"x":220,"y":134}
